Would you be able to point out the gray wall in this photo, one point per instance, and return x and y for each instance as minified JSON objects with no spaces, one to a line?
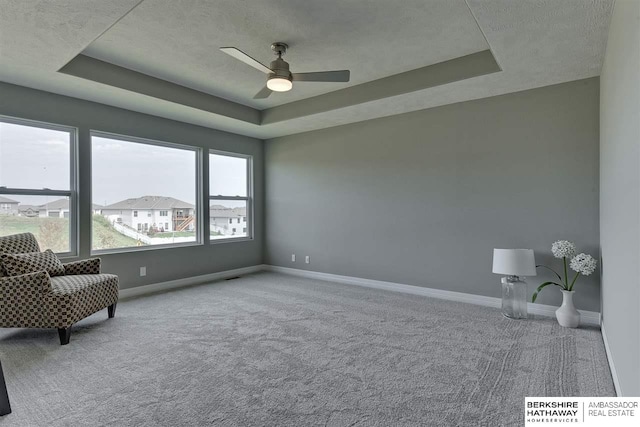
{"x":162,"y":264}
{"x":620,"y":193}
{"x":423,"y":198}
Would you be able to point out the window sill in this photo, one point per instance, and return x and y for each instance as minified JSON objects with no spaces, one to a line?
{"x":143,"y":248}
{"x":230,"y":240}
{"x":67,"y":256}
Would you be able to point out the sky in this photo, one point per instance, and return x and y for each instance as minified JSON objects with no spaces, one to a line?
{"x":39,"y":158}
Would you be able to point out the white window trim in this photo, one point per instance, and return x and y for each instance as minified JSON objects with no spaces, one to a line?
{"x":72,"y":193}
{"x":248,"y":199}
{"x":199,"y":209}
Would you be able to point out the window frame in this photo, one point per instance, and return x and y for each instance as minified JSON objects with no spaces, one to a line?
{"x":72,"y":193}
{"x":248,"y":198}
{"x":198,"y":210}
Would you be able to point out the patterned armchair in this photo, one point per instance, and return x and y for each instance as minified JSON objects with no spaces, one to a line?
{"x":38,"y":300}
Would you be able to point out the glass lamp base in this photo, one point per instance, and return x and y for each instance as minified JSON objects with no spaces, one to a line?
{"x":514,"y":298}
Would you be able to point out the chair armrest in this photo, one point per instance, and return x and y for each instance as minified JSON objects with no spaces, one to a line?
{"x":85,"y":266}
{"x":22,"y":299}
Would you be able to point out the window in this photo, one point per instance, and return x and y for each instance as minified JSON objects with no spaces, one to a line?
{"x":131,"y":176}
{"x":230,"y":197}
{"x":163,"y":213}
{"x":38,"y":183}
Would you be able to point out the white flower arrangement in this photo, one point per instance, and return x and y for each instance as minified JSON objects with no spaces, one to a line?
{"x":563,"y":249}
{"x":582,"y":264}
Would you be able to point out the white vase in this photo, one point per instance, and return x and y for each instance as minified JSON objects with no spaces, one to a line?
{"x":567,"y":314}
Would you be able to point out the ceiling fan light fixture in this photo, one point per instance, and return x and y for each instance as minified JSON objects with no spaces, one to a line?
{"x":279,"y":84}
{"x":279,"y":77}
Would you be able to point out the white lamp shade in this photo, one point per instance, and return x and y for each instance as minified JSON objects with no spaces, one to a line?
{"x":514,"y":262}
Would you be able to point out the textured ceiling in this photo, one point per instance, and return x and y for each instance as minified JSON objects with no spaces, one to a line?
{"x":535,"y":42}
{"x":164,"y":39}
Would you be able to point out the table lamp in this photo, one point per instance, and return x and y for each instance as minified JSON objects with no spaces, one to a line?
{"x":514,"y":263}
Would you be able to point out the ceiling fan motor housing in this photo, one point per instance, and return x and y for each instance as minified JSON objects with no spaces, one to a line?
{"x":280,"y":79}
{"x":280,"y":69}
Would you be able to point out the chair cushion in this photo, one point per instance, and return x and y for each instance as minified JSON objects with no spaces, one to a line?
{"x":67,"y":285}
{"x":75,"y":297}
{"x":18,"y":264}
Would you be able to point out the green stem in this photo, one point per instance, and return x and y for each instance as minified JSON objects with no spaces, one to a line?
{"x":574,"y":281}
{"x":551,"y":270}
{"x":566,"y":277}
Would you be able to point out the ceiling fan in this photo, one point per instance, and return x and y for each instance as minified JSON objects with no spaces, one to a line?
{"x":280,"y":79}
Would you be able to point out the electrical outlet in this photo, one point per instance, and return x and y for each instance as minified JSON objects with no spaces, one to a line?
{"x":307,"y":260}
{"x":143,"y":271}
{"x":293,"y":257}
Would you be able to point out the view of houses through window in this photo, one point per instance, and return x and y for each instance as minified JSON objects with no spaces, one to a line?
{"x":144,"y":193}
{"x":229,"y":201}
{"x":36,"y":183}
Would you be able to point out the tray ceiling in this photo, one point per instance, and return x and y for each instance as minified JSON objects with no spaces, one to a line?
{"x":163,"y":58}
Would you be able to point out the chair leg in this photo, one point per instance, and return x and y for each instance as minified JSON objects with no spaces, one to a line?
{"x":5,"y":407}
{"x":112,"y":310}
{"x":65,"y":335}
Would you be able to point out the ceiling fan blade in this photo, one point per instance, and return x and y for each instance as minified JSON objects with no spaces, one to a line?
{"x":264,"y":93}
{"x":323,"y":76}
{"x":240,"y":55}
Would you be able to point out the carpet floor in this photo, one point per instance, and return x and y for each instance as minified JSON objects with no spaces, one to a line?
{"x":274,"y":350}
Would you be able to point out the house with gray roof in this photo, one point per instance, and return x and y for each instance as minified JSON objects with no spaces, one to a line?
{"x":226,"y":221}
{"x":56,"y":209}
{"x":28,"y":211}
{"x":159,"y":213}
{"x":8,"y":206}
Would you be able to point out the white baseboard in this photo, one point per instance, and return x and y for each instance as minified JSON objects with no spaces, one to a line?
{"x":188,"y":281}
{"x":612,"y":367}
{"x":587,"y":317}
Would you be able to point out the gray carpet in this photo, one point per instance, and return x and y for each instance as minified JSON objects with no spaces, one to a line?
{"x":269,"y":349}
